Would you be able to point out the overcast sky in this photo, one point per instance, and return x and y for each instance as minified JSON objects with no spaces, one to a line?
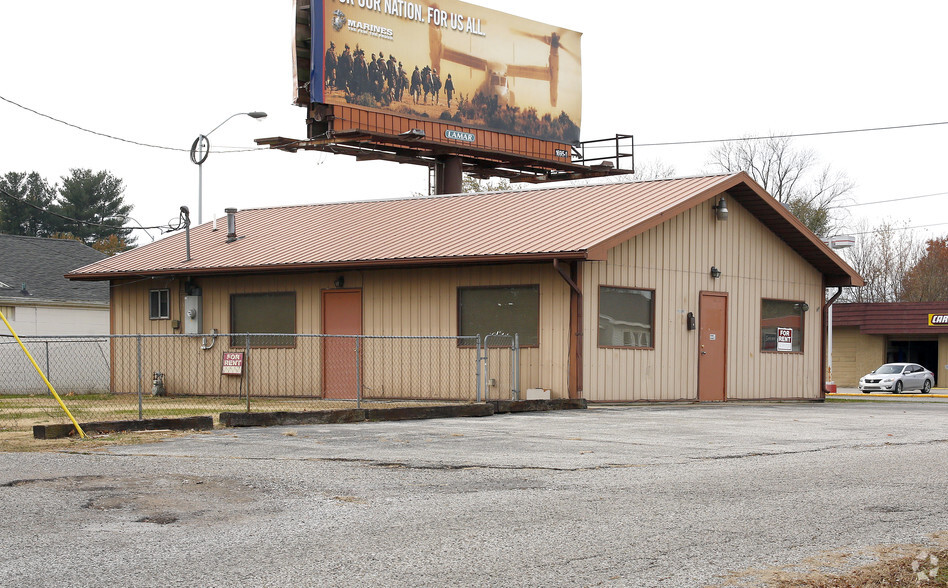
{"x":163,"y":72}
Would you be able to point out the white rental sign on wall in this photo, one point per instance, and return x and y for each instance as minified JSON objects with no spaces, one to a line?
{"x":784,"y":339}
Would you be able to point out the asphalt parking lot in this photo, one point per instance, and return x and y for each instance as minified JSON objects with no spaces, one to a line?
{"x":613,"y":496}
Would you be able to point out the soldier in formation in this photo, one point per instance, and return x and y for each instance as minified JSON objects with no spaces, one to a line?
{"x":331,"y":62}
{"x":344,"y":70}
{"x":415,"y":89}
{"x":435,"y":86}
{"x":449,"y":89}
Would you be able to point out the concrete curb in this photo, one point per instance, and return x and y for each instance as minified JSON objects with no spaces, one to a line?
{"x":272,"y":419}
{"x":429,"y":412}
{"x":198,"y":423}
{"x":885,"y":395}
{"x":324,"y":417}
{"x":511,"y":406}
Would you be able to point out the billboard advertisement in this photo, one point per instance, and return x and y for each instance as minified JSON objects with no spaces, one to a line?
{"x":448,"y":61}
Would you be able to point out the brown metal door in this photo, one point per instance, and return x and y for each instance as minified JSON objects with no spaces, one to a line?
{"x":712,"y":346}
{"x":342,"y":315}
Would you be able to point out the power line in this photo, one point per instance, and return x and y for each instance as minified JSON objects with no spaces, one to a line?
{"x":85,"y":130}
{"x":903,"y":198}
{"x":899,"y":229}
{"x":660,"y":144}
{"x":793,"y":135}
{"x":115,"y":138}
{"x":162,"y":228}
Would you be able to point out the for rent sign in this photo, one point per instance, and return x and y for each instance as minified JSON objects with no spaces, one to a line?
{"x":784,"y":339}
{"x":232,"y":363}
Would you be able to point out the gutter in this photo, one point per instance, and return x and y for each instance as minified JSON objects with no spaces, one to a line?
{"x":823,"y":337}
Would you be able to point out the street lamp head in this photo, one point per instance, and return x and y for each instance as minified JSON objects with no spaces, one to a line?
{"x":257,"y":114}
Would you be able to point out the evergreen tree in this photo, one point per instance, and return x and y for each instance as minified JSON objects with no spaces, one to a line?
{"x":19,"y":218}
{"x":96,"y":198}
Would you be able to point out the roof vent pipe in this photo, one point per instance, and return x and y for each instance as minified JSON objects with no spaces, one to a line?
{"x":231,"y":224}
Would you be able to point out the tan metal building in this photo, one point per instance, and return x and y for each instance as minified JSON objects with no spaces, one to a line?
{"x":700,"y":288}
{"x":866,"y":335}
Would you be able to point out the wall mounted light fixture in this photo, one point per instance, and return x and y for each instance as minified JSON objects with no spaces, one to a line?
{"x":715,"y":272}
{"x":801,"y":306}
{"x":339,"y":282}
{"x":720,"y":210}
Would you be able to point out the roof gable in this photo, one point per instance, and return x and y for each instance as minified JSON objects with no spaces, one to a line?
{"x":575,"y":222}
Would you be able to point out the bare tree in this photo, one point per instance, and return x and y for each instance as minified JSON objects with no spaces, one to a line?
{"x":883,"y":255}
{"x":793,"y":176}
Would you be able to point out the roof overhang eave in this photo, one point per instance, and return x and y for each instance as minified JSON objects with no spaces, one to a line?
{"x":332,"y":265}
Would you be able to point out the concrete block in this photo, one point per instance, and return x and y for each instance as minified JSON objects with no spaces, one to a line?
{"x":199,"y":423}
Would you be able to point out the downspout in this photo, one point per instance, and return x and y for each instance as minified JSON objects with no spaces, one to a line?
{"x":823,"y":335}
{"x":574,"y":375}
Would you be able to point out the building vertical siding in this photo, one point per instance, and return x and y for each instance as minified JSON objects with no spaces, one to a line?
{"x":405,"y":302}
{"x":855,"y":354}
{"x":675,"y":259}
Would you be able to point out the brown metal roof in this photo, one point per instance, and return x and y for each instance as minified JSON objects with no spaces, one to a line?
{"x":577,"y":222}
{"x":890,"y":318}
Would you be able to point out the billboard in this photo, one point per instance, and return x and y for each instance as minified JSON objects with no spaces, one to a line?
{"x":448,"y":61}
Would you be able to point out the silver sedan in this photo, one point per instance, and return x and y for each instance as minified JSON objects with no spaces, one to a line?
{"x":896,"y":377}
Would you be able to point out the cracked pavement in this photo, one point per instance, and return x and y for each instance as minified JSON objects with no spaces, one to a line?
{"x":673,"y":495}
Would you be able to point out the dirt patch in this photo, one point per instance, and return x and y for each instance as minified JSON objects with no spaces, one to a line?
{"x":889,"y":566}
{"x":161,"y":500}
{"x":23,"y":441}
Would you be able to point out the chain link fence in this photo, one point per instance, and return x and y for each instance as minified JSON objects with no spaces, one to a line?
{"x":128,"y":377}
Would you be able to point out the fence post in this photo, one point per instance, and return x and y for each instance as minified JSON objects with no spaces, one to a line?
{"x":247,"y":366}
{"x":48,"y":375}
{"x":515,"y":358}
{"x":139,"y":347}
{"x":358,"y":372}
{"x":477,"y":368}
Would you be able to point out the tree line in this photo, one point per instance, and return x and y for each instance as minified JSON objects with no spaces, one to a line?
{"x":895,"y":262}
{"x":84,"y":206}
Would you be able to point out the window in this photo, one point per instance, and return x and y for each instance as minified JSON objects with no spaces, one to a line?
{"x":263,"y":313}
{"x":159,"y":306}
{"x":781,"y":326}
{"x":626,"y":317}
{"x":504,"y":309}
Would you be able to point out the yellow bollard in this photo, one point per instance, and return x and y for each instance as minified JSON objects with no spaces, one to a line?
{"x":40,"y":372}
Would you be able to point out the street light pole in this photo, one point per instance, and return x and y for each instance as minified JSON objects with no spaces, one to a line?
{"x":201,"y":148}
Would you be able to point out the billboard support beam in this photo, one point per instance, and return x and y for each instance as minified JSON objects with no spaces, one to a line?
{"x":448,"y":175}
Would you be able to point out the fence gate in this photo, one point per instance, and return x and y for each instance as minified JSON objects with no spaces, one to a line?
{"x":501,"y":358}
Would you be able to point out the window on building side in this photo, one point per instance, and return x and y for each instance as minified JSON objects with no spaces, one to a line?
{"x":271,"y":312}
{"x":500,"y":309}
{"x":626,"y":317}
{"x":159,"y":305}
{"x":781,"y":325}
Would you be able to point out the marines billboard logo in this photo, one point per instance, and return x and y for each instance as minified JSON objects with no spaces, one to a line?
{"x":339,"y":20}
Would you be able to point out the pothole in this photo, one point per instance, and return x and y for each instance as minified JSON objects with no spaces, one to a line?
{"x":158,"y":519}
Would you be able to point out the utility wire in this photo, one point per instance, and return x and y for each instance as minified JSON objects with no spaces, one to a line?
{"x":899,"y":229}
{"x":107,"y":136}
{"x":139,"y":143}
{"x":793,"y":135}
{"x":162,"y":228}
{"x":661,"y":144}
{"x":889,"y":200}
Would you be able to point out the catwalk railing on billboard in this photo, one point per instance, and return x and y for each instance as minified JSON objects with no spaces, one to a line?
{"x":126,"y":377}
